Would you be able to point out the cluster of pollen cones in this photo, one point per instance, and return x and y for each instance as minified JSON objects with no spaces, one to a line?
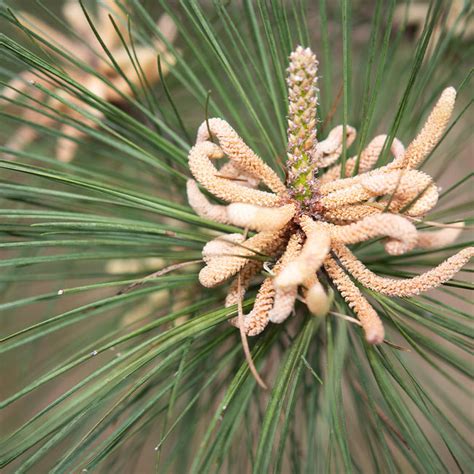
{"x":305,"y":225}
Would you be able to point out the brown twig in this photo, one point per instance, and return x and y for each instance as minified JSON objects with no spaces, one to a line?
{"x":206,"y":113}
{"x":380,"y":413}
{"x":230,"y":178}
{"x":159,"y":273}
{"x":333,"y":109}
{"x":439,"y":224}
{"x":245,"y":343}
{"x":396,"y":346}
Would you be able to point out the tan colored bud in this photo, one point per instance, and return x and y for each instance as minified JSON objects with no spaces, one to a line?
{"x":408,"y":287}
{"x":431,"y":133}
{"x":368,"y":317}
{"x":317,"y":300}
{"x":260,"y":218}
{"x":440,"y":238}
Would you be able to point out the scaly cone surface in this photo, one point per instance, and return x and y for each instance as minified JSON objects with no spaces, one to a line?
{"x":303,"y":100}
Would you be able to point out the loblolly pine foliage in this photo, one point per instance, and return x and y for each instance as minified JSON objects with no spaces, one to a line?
{"x":114,"y":358}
